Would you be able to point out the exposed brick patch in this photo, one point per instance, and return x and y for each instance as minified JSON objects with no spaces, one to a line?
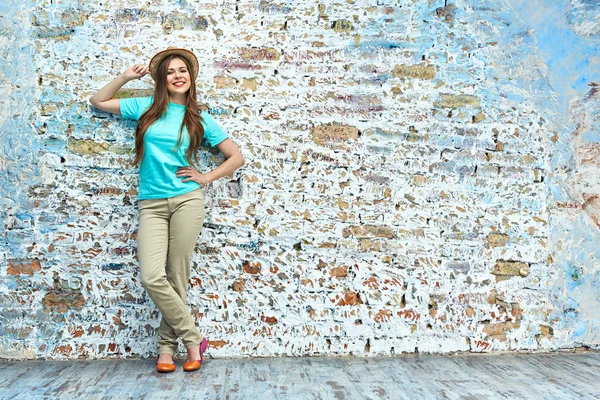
{"x":63,"y":300}
{"x":458,"y":101}
{"x":415,"y":71}
{"x":370,"y":245}
{"x":238,"y":285}
{"x":368,"y":231}
{"x":349,"y":299}
{"x":216,"y":344}
{"x":269,"y":320}
{"x":23,"y":267}
{"x":268,"y":54}
{"x":497,"y":239}
{"x":251,"y":267}
{"x":222,"y":82}
{"x":125,"y":92}
{"x":86,"y":146}
{"x":250,"y":83}
{"x":409,"y":314}
{"x":545,"y":332}
{"x":174,"y":21}
{"x":339,"y":272}
{"x":333,"y":133}
{"x":447,"y":13}
{"x":498,"y":330}
{"x":510,"y":268}
{"x":342,"y":26}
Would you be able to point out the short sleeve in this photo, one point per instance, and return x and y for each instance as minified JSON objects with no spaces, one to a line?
{"x":213,"y":133}
{"x":134,"y":107}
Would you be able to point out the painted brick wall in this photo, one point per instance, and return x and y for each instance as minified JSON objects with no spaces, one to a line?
{"x":395,"y":196}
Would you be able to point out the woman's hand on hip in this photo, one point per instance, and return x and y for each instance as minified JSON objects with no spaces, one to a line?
{"x":136,"y":71}
{"x":191,"y":174}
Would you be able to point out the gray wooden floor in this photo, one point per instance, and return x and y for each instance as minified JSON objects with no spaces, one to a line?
{"x":534,"y":376}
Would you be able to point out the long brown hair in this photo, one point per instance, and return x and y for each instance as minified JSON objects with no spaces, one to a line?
{"x":191,"y":119}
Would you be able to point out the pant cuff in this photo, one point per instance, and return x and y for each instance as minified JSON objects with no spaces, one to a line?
{"x":166,"y":350}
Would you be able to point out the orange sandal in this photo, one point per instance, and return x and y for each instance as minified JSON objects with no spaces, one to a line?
{"x":165,"y":367}
{"x":195,"y":365}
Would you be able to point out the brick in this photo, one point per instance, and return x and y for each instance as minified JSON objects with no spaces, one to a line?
{"x":267,"y":54}
{"x":333,"y":133}
{"x":87,"y":147}
{"x":58,"y":28}
{"x":173,"y":21}
{"x":217,"y":344}
{"x":457,"y":101}
{"x":63,"y":300}
{"x":251,"y":267}
{"x":339,"y":272}
{"x":349,"y":299}
{"x":23,"y":267}
{"x":383,"y":316}
{"x":249,"y":83}
{"x":511,"y":268}
{"x":415,"y":71}
{"x":492,"y":296}
{"x":342,"y":26}
{"x":64,"y":350}
{"x":498,"y":330}
{"x":409,"y":314}
{"x":222,"y":82}
{"x":546,"y":331}
{"x":516,"y":311}
{"x":49,"y":109}
{"x":419,"y":180}
{"x":200,"y":23}
{"x":370,"y":245}
{"x":447,"y":13}
{"x":368,"y":231}
{"x":269,"y":320}
{"x":479,"y":118}
{"x":238,"y":285}
{"x":497,"y":239}
{"x":124,"y":93}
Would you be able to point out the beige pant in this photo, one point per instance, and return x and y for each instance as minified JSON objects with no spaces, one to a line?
{"x":168,"y":231}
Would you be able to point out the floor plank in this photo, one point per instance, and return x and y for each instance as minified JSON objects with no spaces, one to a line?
{"x":524,"y":376}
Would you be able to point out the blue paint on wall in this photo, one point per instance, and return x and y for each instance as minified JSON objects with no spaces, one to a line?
{"x":20,"y":146}
{"x":573,"y":61}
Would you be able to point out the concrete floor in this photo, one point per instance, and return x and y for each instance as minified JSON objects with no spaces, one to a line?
{"x":533,"y":376}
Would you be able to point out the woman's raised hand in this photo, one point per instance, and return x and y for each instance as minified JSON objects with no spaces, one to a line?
{"x":136,"y":71}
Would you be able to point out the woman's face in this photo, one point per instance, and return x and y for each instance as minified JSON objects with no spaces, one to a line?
{"x":178,"y":78}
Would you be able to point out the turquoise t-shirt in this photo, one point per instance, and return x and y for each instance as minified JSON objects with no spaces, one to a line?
{"x":161,"y":158}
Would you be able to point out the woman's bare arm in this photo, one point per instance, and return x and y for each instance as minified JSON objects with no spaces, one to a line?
{"x":103,"y":99}
{"x":234,"y":160}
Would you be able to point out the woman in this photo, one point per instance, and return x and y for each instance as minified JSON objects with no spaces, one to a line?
{"x":171,"y":204}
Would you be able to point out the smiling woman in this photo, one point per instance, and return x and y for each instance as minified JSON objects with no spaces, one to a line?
{"x":168,"y":135}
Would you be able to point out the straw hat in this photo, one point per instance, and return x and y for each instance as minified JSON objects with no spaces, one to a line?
{"x":182,"y":53}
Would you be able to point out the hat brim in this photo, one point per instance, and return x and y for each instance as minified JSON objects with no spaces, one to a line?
{"x":182,"y":53}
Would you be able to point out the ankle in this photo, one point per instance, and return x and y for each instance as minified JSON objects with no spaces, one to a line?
{"x":193,"y":353}
{"x":165,"y":358}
